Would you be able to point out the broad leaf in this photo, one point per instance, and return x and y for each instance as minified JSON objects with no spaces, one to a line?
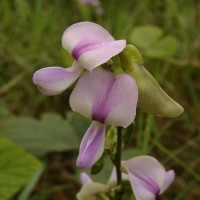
{"x":152,"y":42}
{"x":145,"y":36}
{"x":163,"y":48}
{"x":51,"y":133}
{"x":16,"y":168}
{"x":79,"y":123}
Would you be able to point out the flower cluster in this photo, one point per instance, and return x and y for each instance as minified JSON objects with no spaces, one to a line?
{"x":108,"y":99}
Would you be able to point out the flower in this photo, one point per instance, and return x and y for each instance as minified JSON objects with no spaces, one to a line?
{"x":90,"y":45}
{"x":90,"y":189}
{"x":105,"y":99}
{"x":148,"y":177}
{"x":93,"y":190}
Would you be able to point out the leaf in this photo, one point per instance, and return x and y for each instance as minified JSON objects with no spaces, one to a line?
{"x":163,"y":48}
{"x":151,"y":40}
{"x":16,"y":168}
{"x":145,"y":36}
{"x":79,"y":123}
{"x":51,"y":133}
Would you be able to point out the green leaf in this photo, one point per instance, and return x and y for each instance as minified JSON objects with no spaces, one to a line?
{"x":163,"y":48}
{"x":145,"y":36}
{"x":79,"y":123}
{"x":16,"y":168}
{"x":151,"y":40}
{"x":51,"y":133}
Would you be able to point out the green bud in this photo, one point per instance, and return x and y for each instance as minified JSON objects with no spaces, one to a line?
{"x":111,"y":138}
{"x":152,"y":98}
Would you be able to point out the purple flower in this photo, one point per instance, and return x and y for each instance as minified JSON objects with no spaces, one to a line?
{"x":105,"y":99}
{"x":148,"y":177}
{"x":90,"y":45}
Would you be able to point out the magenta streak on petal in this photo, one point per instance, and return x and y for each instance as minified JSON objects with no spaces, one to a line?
{"x":82,"y":48}
{"x":149,"y":184}
{"x":99,"y":110}
{"x":90,"y":145}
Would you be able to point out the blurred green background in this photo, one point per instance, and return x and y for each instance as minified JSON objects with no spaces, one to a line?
{"x":30,"y":38}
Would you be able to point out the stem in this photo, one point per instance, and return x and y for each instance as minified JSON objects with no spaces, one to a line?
{"x":118,"y":155}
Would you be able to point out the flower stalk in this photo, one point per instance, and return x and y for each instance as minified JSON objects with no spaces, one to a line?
{"x":118,"y":155}
{"x":118,"y":163}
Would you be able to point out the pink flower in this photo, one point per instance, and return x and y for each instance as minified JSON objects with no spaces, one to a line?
{"x":90,"y":45}
{"x":107,"y":100}
{"x":148,"y":177}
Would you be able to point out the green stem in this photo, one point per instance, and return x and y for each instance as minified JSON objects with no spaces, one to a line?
{"x":118,"y":155}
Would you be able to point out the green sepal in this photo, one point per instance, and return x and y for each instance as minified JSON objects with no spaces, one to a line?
{"x":152,"y":98}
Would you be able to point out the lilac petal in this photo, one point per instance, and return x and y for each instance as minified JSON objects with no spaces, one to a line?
{"x":90,"y":44}
{"x":146,"y":176}
{"x":102,"y":97}
{"x":54,"y":80}
{"x":122,"y":101}
{"x":169,"y":178}
{"x":92,"y":145}
{"x":84,"y":33}
{"x":85,"y":179}
{"x":100,"y":53}
{"x":91,"y":89}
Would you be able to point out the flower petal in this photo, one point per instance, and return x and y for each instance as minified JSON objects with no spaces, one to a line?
{"x":92,"y":145}
{"x":100,"y":53}
{"x":169,"y":178}
{"x":90,"y":90}
{"x":102,"y":97}
{"x":83,"y":34}
{"x":146,"y":176}
{"x":122,"y":101}
{"x":92,"y":190}
{"x":54,"y":80}
{"x":85,"y":179}
{"x":90,"y":44}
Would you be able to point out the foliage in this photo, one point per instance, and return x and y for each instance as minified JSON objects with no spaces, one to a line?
{"x":51,"y":133}
{"x":16,"y":168}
